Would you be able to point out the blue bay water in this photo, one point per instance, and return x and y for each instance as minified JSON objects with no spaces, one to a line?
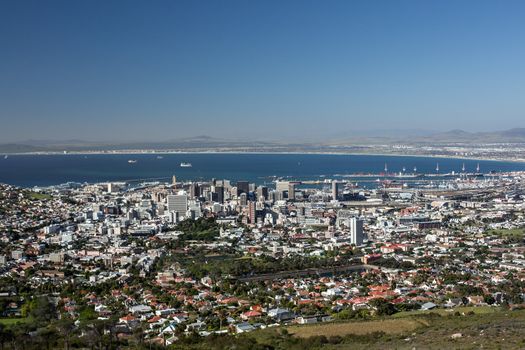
{"x":45,"y":170}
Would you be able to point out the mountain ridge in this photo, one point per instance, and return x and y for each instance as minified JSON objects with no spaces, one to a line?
{"x":454,"y":136}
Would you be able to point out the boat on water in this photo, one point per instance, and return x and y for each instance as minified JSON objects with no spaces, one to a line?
{"x":185,"y":165}
{"x":6,"y":156}
{"x":160,"y":157}
{"x":132,"y":161}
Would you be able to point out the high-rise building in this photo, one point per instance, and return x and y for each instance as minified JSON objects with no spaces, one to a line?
{"x":219,"y":190}
{"x":243,"y":187}
{"x":178,"y":203}
{"x":335,"y":188}
{"x":243,"y":198}
{"x":356,"y":231}
{"x":262,"y":193}
{"x":273,"y":196}
{"x":173,"y":217}
{"x":251,"y":212}
{"x":291,"y":191}
{"x":282,"y":188}
{"x":194,"y":190}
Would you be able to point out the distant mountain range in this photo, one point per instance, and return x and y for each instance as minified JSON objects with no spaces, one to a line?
{"x":203,"y":142}
{"x":516,"y":135}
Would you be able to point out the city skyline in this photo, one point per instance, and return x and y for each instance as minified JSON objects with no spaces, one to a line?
{"x":299,"y":174}
{"x":136,"y":71}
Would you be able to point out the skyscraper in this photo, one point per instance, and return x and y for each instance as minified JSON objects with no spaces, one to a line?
{"x":243,"y":198}
{"x":291,"y":191}
{"x":282,"y":188}
{"x":178,"y":203}
{"x":194,"y":190}
{"x":262,"y":193}
{"x":243,"y":187}
{"x":219,"y":190}
{"x":335,"y":188}
{"x":356,"y":230}
{"x":251,"y":212}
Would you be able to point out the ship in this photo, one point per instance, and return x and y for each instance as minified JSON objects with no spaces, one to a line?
{"x":160,"y":157}
{"x":132,"y":161}
{"x":6,"y":156}
{"x":185,"y":165}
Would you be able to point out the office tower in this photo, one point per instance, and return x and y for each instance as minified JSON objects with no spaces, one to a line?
{"x":282,"y":188}
{"x":174,"y":180}
{"x":173,"y":217}
{"x":194,"y":190}
{"x":158,"y":197}
{"x":291,"y":191}
{"x":251,"y":212}
{"x":335,"y":186}
{"x":243,"y":199}
{"x":273,"y":196}
{"x":262,"y":193}
{"x":178,"y":203}
{"x":243,"y":187}
{"x":195,"y":209}
{"x":356,"y":231}
{"x":219,"y":191}
{"x":204,"y":190}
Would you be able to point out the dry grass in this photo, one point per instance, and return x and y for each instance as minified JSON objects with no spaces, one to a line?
{"x":359,"y":328}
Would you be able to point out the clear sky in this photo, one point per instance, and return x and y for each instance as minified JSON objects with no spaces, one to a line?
{"x":159,"y":70}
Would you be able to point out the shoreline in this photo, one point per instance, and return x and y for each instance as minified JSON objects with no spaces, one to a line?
{"x":159,"y":152}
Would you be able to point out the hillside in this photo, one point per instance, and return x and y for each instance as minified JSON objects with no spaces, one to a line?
{"x":466,"y":328}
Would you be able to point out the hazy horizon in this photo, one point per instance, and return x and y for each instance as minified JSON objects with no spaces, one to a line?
{"x":137,"y":71}
{"x":370,"y":136}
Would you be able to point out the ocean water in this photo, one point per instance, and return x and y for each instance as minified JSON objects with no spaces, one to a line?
{"x":45,"y":170}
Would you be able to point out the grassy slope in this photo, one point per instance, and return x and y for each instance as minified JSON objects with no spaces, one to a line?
{"x":515,"y":232}
{"x":12,"y":321}
{"x":39,"y":196}
{"x":500,"y":330}
{"x":484,"y":327}
{"x":389,"y":326}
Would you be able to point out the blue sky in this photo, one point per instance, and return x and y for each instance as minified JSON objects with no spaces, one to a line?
{"x":159,"y":70}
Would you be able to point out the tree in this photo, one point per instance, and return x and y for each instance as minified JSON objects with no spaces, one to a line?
{"x":6,"y":335}
{"x":383,"y":307}
{"x":47,"y":335}
{"x":42,"y":310}
{"x":138,"y":335}
{"x":65,"y":327}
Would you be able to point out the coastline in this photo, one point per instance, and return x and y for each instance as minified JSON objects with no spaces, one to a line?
{"x":162,"y":152}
